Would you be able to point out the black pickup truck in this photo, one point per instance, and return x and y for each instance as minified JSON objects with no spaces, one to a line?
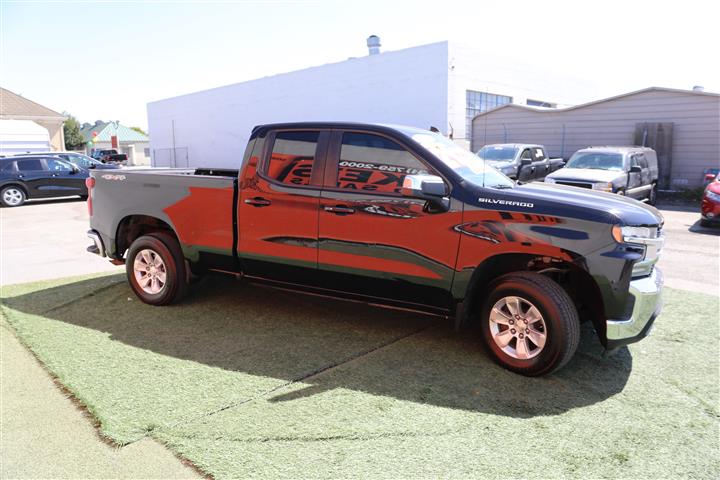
{"x":395,"y":216}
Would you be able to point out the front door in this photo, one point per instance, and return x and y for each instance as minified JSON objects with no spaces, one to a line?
{"x":526,"y":173}
{"x":278,"y":206}
{"x":64,"y":178}
{"x":372,"y":240}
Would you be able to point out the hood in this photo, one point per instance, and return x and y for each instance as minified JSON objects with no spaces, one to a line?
{"x":713,"y":187}
{"x":565,"y":201}
{"x":587,"y":174}
{"x":107,"y":166}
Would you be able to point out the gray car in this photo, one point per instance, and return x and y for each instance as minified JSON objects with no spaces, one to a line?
{"x":631,"y":171}
{"x":524,"y":162}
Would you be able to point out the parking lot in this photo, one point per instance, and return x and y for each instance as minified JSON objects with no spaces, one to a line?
{"x":246,"y":381}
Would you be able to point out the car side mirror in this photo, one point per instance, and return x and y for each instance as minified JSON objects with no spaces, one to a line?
{"x":709,"y":177}
{"x":635,"y":169}
{"x":525,"y":161}
{"x":426,"y":187}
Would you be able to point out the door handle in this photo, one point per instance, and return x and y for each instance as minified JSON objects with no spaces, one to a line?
{"x":340,"y":210}
{"x":258,"y":202}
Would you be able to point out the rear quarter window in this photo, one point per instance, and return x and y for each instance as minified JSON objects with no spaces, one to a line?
{"x":30,"y":165}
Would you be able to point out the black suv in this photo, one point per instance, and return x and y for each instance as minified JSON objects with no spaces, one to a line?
{"x":23,"y":178}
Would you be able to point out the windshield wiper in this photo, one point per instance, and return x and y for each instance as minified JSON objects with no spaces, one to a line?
{"x":500,"y":187}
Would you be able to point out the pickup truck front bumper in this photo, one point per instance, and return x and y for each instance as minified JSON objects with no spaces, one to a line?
{"x":647,"y":295}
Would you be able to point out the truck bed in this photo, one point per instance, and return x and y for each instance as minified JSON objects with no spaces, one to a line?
{"x":197,"y":204}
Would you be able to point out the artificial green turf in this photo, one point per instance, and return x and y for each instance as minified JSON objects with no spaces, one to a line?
{"x":215,"y":378}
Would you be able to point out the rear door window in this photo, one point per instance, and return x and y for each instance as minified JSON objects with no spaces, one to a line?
{"x":30,"y":165}
{"x":292,"y":158}
{"x":373,"y":163}
{"x":8,"y":167}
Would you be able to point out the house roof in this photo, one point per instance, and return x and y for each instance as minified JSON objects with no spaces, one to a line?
{"x":14,"y":105}
{"x":105,"y":130}
{"x":582,"y":105}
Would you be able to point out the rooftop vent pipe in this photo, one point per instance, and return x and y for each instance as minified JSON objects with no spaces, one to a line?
{"x":373,"y":44}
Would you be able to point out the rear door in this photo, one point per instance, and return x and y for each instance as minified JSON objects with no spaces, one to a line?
{"x":31,"y":172}
{"x":540,"y":165}
{"x":278,"y":209}
{"x":372,"y":240}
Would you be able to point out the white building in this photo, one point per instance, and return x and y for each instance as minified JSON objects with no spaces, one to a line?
{"x":441,"y":84}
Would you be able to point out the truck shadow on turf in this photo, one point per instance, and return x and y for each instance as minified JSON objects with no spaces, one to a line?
{"x":328,"y":344}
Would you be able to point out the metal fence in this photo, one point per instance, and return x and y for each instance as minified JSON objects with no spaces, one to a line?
{"x":170,"y":157}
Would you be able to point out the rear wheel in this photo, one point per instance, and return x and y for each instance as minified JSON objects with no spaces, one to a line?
{"x":155,"y":269}
{"x":12,"y":196}
{"x":529,"y":324}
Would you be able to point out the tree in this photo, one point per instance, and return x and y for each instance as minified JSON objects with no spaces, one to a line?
{"x":71,"y":129}
{"x":139,"y":130}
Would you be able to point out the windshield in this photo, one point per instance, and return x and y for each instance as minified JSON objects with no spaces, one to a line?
{"x":596,"y":161}
{"x":463,"y":162}
{"x":497,"y":153}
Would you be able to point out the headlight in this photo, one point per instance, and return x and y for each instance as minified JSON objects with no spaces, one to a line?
{"x":639,"y":233}
{"x":712,"y":196}
{"x":549,"y":180}
{"x":649,"y":239}
{"x":603,"y":186}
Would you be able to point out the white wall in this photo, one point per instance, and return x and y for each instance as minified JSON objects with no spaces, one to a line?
{"x":480,"y":69}
{"x":405,"y":87}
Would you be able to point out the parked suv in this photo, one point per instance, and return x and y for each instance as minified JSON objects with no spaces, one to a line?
{"x":520,"y":161}
{"x":631,"y":171}
{"x":77,"y":159}
{"x":23,"y":178}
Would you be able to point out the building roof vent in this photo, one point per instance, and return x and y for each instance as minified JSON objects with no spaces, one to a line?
{"x":696,"y":88}
{"x":373,"y":44}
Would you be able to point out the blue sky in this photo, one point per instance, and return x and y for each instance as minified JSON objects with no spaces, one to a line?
{"x":106,"y":60}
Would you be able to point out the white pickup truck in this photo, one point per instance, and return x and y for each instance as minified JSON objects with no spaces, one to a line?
{"x":520,"y":161}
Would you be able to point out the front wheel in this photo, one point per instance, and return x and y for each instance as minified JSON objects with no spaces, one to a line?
{"x":652,"y":197}
{"x":529,"y":324}
{"x":155,"y":269}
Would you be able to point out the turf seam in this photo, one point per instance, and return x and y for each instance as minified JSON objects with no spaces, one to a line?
{"x":304,"y":377}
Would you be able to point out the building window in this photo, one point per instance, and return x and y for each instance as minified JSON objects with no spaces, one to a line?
{"x":540,"y":103}
{"x":478,"y":102}
{"x":147,"y":152}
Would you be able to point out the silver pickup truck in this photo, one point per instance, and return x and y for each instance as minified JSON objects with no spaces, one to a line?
{"x":523,"y":162}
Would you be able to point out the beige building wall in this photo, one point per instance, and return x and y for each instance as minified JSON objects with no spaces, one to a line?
{"x":57,"y":135}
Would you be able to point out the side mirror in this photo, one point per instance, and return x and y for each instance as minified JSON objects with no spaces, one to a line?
{"x":426,"y":187}
{"x":709,"y":177}
{"x":635,"y":169}
{"x":525,"y":161}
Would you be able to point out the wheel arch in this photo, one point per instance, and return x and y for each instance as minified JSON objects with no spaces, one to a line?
{"x":572,"y":277}
{"x":15,"y":184}
{"x":133,"y":226}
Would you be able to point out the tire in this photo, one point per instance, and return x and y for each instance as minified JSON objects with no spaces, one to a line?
{"x":143,"y":257}
{"x":558,"y":320}
{"x":621,"y":192}
{"x":705,"y":223}
{"x":652,"y":197}
{"x":83,"y":197}
{"x":12,"y":196}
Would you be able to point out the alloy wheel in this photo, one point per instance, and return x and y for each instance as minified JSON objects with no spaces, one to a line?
{"x":517,"y":327}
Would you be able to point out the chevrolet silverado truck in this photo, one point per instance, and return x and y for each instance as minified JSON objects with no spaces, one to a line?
{"x":394,"y":216}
